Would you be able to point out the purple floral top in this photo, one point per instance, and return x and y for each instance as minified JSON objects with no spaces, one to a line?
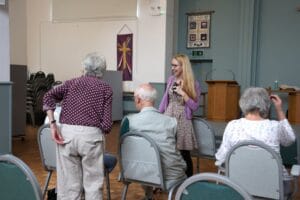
{"x":86,"y":101}
{"x":189,"y":106}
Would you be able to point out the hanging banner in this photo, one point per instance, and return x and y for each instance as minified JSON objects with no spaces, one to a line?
{"x":124,"y":55}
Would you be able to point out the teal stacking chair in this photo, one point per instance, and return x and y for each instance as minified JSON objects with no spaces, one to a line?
{"x":47,"y":149}
{"x":290,"y":154}
{"x":207,"y":140}
{"x":259,"y":169}
{"x":210,"y":186}
{"x":17,"y":181}
{"x":140,"y":162}
{"x":124,"y":127}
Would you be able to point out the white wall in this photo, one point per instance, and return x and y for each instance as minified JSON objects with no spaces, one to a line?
{"x":4,"y":44}
{"x":37,"y":12}
{"x":18,"y":32}
{"x":66,"y":10}
{"x":151,"y":45}
{"x":64,"y":45}
{"x":60,"y":47}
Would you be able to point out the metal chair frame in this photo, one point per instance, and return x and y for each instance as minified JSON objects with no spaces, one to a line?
{"x":49,"y":162}
{"x":206,"y":140}
{"x":264,"y":161}
{"x":26,"y":171}
{"x":153,"y":149}
{"x":211,"y":177}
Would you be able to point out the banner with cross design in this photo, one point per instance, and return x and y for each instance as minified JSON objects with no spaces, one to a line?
{"x":124,"y":55}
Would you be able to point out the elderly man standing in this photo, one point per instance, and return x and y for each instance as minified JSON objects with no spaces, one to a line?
{"x":162,"y":129}
{"x":86,"y":107}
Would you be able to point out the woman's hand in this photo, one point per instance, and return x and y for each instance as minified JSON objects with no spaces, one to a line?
{"x":278,"y":106}
{"x":276,"y":100}
{"x":178,"y":87}
{"x":180,"y":91}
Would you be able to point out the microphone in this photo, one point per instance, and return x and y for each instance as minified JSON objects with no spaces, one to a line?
{"x":232,"y":73}
{"x":211,"y":71}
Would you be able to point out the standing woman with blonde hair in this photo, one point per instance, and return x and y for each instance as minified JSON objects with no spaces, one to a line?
{"x":181,"y":98}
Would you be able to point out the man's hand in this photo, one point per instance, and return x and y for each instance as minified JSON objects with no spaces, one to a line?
{"x":56,"y":135}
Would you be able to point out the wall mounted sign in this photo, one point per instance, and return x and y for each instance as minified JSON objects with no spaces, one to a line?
{"x":198,"y":29}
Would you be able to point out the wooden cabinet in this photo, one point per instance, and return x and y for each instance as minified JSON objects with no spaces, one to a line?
{"x":294,"y":107}
{"x":222,"y":100}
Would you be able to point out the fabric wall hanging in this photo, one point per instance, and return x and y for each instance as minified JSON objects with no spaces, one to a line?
{"x":124,"y":54}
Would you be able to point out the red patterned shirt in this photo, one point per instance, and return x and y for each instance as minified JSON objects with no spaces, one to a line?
{"x":86,"y":101}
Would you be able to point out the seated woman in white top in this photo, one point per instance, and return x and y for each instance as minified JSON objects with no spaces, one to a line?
{"x":255,"y":104}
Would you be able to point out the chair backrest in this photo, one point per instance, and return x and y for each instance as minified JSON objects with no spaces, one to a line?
{"x":124,"y":127}
{"x":290,"y":154}
{"x":17,"y":180}
{"x":205,"y":136}
{"x":257,"y":168}
{"x":140,"y":160}
{"x":47,"y":147}
{"x":210,"y":186}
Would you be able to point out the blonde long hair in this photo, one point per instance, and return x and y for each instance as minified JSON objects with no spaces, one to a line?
{"x":187,"y":75}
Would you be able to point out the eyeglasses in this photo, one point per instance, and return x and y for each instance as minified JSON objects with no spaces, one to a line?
{"x":174,"y":65}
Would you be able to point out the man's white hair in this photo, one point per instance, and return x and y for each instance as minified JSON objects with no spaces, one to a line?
{"x":146,"y":94}
{"x":94,"y":64}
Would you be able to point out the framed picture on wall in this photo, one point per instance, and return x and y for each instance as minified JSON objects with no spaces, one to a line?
{"x":198,"y":29}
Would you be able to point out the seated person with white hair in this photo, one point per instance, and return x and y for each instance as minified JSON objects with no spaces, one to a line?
{"x":162,"y":129}
{"x":255,"y":104}
{"x":86,"y":115}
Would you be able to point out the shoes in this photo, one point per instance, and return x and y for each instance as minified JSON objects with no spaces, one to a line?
{"x":52,"y":195}
{"x":146,"y":198}
{"x":157,"y":190}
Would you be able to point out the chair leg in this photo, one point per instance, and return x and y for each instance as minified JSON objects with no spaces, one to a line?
{"x":107,"y":184}
{"x":170,"y":194}
{"x":33,"y":119}
{"x":46,"y":184}
{"x":29,"y":110}
{"x":198,"y":164}
{"x":295,"y":188}
{"x":171,"y":191}
{"x":124,"y":193}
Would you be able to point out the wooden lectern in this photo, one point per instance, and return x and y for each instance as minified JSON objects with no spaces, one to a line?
{"x":222,"y":100}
